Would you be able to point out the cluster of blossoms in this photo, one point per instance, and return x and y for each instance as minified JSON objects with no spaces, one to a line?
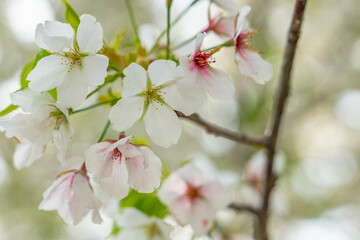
{"x":76,"y":64}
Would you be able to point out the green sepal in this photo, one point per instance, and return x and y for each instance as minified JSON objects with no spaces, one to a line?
{"x":148,"y":203}
{"x":71,"y":16}
{"x":8,"y":110}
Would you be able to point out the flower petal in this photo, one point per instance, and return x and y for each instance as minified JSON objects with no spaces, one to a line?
{"x":184,"y":97}
{"x":135,"y":80}
{"x":95,"y":159}
{"x":229,"y":5}
{"x":162,"y":124}
{"x":77,"y":210}
{"x":144,"y":171}
{"x":216,"y":83}
{"x":72,"y":92}
{"x":116,"y":184}
{"x":30,"y":101}
{"x":172,"y":189}
{"x":62,"y":138}
{"x":89,"y":34}
{"x":201,"y":217}
{"x":48,"y":73}
{"x":162,"y":71}
{"x":126,"y":112}
{"x":26,"y":154}
{"x":216,"y":194}
{"x":240,"y":22}
{"x":198,"y":42}
{"x":251,"y":65}
{"x":54,"y":36}
{"x":95,"y":69}
{"x":82,"y":190}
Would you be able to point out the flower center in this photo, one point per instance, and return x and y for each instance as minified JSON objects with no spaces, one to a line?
{"x":58,"y":118}
{"x":243,"y":40}
{"x":154,"y":95}
{"x":193,"y":193}
{"x":71,"y":60}
{"x":203,"y":59}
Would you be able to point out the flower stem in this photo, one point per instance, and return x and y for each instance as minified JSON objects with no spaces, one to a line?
{"x":95,"y":105}
{"x":168,"y":8}
{"x":104,"y":131}
{"x":133,"y":20}
{"x":172,"y":24}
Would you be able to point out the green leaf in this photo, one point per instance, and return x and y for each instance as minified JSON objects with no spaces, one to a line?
{"x":71,"y":16}
{"x":148,"y":203}
{"x":8,"y":110}
{"x":29,"y":67}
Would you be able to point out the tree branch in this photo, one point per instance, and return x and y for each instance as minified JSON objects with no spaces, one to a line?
{"x":217,"y":131}
{"x":244,"y":208}
{"x":282,"y":96}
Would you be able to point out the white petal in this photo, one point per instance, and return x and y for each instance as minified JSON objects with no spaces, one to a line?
{"x":251,"y":65}
{"x":130,"y":150}
{"x":216,"y":194}
{"x":72,"y":92}
{"x":57,"y":194}
{"x":126,"y":112}
{"x":77,"y":210}
{"x":116,"y":184}
{"x":216,"y":83}
{"x":184,"y":97}
{"x":192,"y":175}
{"x":201,"y":217}
{"x":162,"y":124}
{"x":229,"y":5}
{"x":144,"y":171}
{"x":29,"y":100}
{"x":82,"y":190}
{"x":62,"y":138}
{"x":244,"y":11}
{"x":26,"y":154}
{"x":95,"y":69}
{"x":48,"y":73}
{"x":198,"y":42}
{"x":135,"y":80}
{"x":96,"y":160}
{"x":89,"y":34}
{"x":54,"y":36}
{"x":172,"y":189}
{"x":96,"y":218}
{"x":131,"y":217}
{"x":162,"y":71}
{"x":224,"y":26}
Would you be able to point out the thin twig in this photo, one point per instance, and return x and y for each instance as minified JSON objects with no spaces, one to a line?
{"x":244,"y":208}
{"x":94,"y":105}
{"x":217,"y":131}
{"x":168,"y":27}
{"x":132,"y":19}
{"x":282,"y":96}
{"x":104,"y":131}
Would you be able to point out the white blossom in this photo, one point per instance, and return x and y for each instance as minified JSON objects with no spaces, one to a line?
{"x":249,"y":61}
{"x":193,"y":198}
{"x":118,"y":164}
{"x":43,"y":121}
{"x":198,"y":70}
{"x":134,"y":224}
{"x":71,"y":195}
{"x":74,"y":64}
{"x":153,"y":96}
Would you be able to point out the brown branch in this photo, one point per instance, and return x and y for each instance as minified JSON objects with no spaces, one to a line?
{"x":282,"y":96}
{"x":217,"y":131}
{"x":244,"y":208}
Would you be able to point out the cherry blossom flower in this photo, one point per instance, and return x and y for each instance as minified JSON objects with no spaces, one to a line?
{"x":249,"y":61}
{"x":71,"y":195}
{"x":222,"y":25}
{"x":193,"y":198}
{"x":73,"y":66}
{"x":134,"y":224}
{"x":153,"y":96}
{"x":198,"y":70}
{"x":43,"y":121}
{"x":118,"y":164}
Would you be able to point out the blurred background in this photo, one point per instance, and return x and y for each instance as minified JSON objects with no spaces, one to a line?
{"x":317,"y":196}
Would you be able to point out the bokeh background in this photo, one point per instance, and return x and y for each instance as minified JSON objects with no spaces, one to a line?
{"x":318,"y":194}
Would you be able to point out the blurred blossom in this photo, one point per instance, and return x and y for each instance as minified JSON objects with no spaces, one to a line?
{"x":148,"y":34}
{"x":315,"y":229}
{"x":347,"y":107}
{"x":227,"y":177}
{"x":23,"y":16}
{"x":331,"y":169}
{"x":87,"y":230}
{"x":6,"y":87}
